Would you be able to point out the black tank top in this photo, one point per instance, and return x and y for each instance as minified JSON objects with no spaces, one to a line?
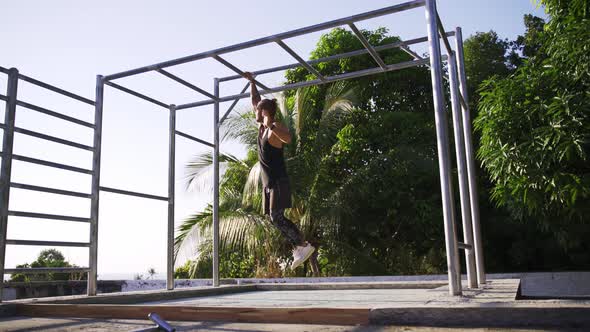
{"x":272,"y":161}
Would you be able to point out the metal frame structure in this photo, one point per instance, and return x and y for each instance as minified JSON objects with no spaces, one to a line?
{"x":460,"y":115}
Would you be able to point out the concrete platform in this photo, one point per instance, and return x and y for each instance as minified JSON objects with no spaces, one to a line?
{"x":382,"y":303}
{"x":28,"y":324}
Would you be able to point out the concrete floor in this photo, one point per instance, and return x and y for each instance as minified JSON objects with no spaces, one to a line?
{"x":496,"y":291}
{"x":421,"y":308}
{"x":26,"y":324}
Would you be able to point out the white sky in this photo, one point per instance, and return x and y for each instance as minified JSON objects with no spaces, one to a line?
{"x":67,"y":43}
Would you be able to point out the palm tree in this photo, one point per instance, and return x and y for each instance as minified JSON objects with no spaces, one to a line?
{"x":151,"y":272}
{"x":243,"y":228}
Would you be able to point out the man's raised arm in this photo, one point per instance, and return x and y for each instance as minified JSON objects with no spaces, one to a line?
{"x":255,"y":96}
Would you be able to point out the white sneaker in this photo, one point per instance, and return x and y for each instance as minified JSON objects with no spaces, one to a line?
{"x":301,"y":254}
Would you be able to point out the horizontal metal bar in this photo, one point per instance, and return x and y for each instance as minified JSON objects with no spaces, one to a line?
{"x":52,"y":138}
{"x":47,"y":243}
{"x":269,"y":39}
{"x":137,"y":94}
{"x":185,"y":83}
{"x":329,"y":79}
{"x":54,"y":114}
{"x":236,"y":69}
{"x":34,"y":270}
{"x":51,"y":164}
{"x":301,"y":60}
{"x":55,"y":89}
{"x":441,"y":33}
{"x":231,"y":107}
{"x":49,"y":190}
{"x":132,"y":193}
{"x":194,"y":139}
{"x":464,"y":246}
{"x":3,"y":97}
{"x":47,"y":216}
{"x":3,"y":70}
{"x":368,"y":46}
{"x":335,"y":57}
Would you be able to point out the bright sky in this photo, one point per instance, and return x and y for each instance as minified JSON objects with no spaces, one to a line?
{"x":67,"y":43}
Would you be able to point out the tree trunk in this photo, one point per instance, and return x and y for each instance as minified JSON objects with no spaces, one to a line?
{"x":313,"y":261}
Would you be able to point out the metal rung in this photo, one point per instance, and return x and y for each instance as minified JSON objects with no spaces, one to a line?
{"x":33,"y":270}
{"x":195,"y":139}
{"x":338,"y":77}
{"x":300,"y":60}
{"x":55,"y":89}
{"x":137,"y":94}
{"x":464,"y":246}
{"x":185,"y":83}
{"x":47,"y":243}
{"x":47,"y":216}
{"x":367,"y":45}
{"x":54,"y":114}
{"x":335,"y":57}
{"x":237,"y":70}
{"x":132,"y":193}
{"x":3,"y":97}
{"x":49,"y":190}
{"x":51,"y":164}
{"x":52,"y":139}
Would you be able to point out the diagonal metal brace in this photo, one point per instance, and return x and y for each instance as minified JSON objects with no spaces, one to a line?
{"x":237,"y":70}
{"x":300,"y":59}
{"x":185,"y":83}
{"x":368,"y":46}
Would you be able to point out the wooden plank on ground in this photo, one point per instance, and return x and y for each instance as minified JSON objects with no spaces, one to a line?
{"x":334,"y":316}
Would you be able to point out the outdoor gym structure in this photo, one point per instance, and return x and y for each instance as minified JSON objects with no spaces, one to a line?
{"x":460,"y":118}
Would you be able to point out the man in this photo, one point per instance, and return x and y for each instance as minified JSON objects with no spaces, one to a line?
{"x":276,"y":191}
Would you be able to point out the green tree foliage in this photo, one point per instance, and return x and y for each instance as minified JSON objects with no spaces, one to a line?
{"x":48,"y":258}
{"x":365,"y":178}
{"x":377,"y":178}
{"x":486,"y":55}
{"x":535,"y":130}
{"x":409,"y":87}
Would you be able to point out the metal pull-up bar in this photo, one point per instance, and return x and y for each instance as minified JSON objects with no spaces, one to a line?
{"x":270,"y":39}
{"x":433,"y":61}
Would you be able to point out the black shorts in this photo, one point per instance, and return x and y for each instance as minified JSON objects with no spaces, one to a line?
{"x":276,"y":196}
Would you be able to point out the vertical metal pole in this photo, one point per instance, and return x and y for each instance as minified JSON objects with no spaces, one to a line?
{"x":473,"y":193}
{"x":442,"y":142}
{"x":93,"y":254}
{"x":6,"y":167}
{"x":462,"y":172}
{"x":216,"y":185}
{"x":171,"y":179}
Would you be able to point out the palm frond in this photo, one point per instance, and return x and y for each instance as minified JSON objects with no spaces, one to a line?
{"x":199,"y":170}
{"x":190,"y":235}
{"x":303,"y":110}
{"x":339,"y":104}
{"x":242,"y":127}
{"x":252,"y":185}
